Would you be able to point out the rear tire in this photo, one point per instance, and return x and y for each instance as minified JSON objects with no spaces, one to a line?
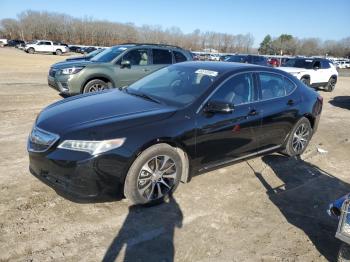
{"x":299,"y":138}
{"x":305,"y":80}
{"x":330,"y":85}
{"x":344,"y":253}
{"x":95,"y":86}
{"x":154,"y":175}
{"x":58,"y":52}
{"x":31,"y":50}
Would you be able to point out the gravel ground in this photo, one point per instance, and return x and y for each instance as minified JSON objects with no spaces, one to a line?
{"x":265,"y":209}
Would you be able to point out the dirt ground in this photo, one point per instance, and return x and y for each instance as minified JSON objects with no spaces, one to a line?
{"x":265,"y":209}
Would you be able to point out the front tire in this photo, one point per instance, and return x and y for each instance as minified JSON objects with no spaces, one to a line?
{"x":31,"y":51}
{"x":58,"y":52}
{"x":154,"y":175}
{"x":344,"y":253}
{"x":330,"y":85}
{"x":95,"y":86}
{"x":299,"y":138}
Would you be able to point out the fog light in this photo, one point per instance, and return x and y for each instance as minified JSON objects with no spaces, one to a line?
{"x":343,"y":232}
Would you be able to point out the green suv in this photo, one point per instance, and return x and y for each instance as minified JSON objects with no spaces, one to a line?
{"x":117,"y":66}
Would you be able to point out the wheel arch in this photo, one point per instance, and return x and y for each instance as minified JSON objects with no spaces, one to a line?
{"x":311,"y":119}
{"x":104,"y":78}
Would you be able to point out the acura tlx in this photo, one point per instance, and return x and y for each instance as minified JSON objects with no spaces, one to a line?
{"x":144,"y":139}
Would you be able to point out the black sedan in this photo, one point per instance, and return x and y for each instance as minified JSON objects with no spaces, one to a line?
{"x":144,"y":139}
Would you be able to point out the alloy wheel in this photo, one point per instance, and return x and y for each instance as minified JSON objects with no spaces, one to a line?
{"x":300,"y":138}
{"x":97,"y":87}
{"x":157,"y":177}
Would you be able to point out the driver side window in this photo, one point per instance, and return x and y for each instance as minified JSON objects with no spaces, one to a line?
{"x":137,"y":57}
{"x":237,"y":90}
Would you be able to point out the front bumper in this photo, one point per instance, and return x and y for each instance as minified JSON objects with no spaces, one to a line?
{"x":65,"y":84}
{"x":79,"y":175}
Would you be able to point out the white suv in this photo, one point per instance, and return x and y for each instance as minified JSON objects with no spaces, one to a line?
{"x":46,"y":46}
{"x":314,"y":72}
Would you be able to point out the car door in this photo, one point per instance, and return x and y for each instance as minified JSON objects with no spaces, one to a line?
{"x":138,"y":61}
{"x":40,"y":46}
{"x":222,"y":137}
{"x":317,"y":72}
{"x":278,"y":105}
{"x":326,"y":73}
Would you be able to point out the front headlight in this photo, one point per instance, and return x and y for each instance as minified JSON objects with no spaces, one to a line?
{"x":92,"y":147}
{"x":343,"y":231}
{"x":71,"y":70}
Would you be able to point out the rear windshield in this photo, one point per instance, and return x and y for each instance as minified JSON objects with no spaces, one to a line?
{"x":236,"y":58}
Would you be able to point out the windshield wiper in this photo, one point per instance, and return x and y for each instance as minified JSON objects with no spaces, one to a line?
{"x":143,"y":95}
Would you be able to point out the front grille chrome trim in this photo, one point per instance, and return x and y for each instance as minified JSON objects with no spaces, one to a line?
{"x":35,"y":138}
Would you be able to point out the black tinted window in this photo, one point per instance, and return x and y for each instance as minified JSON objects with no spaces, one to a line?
{"x":317,"y":64}
{"x":137,"y":57}
{"x":237,"y":90}
{"x":161,"y":56}
{"x":179,"y":57}
{"x":325,"y":64}
{"x":272,"y":86}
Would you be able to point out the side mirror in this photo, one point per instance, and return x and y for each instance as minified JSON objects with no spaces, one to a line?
{"x":218,"y":107}
{"x":125,"y":63}
{"x":316,"y":67}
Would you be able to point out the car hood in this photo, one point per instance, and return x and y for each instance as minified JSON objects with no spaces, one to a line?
{"x":96,"y":109}
{"x":74,"y":63}
{"x":292,"y":69}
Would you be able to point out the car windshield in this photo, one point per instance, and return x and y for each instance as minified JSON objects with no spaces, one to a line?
{"x":109,"y":54}
{"x":236,"y":58}
{"x":300,"y":63}
{"x":178,"y":85}
{"x":94,"y":53}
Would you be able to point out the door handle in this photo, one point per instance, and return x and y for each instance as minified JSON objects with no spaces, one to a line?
{"x":290,"y":102}
{"x":253,"y":112}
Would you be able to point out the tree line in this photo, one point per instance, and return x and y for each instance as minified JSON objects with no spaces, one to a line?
{"x":31,"y":25}
{"x":288,"y":45}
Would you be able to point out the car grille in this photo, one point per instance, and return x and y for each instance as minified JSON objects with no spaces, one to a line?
{"x":52,"y":72}
{"x":40,"y":140}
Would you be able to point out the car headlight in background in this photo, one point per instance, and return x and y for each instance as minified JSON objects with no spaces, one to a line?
{"x":343,"y":232}
{"x":92,"y":147}
{"x":71,"y":70}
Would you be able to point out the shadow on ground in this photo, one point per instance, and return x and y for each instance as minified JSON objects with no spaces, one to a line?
{"x":147,"y":234}
{"x":341,"y":101}
{"x":304,"y":198}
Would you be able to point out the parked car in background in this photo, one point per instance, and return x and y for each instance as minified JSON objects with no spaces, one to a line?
{"x":250,"y":59}
{"x":274,"y":62}
{"x":45,"y":46}
{"x":3,"y":42}
{"x":224,"y":57}
{"x":117,"y":66}
{"x":87,"y":50}
{"x":141,"y":140}
{"x":340,"y":209}
{"x":85,"y":57}
{"x":15,"y":42}
{"x":73,"y":48}
{"x":314,"y":72}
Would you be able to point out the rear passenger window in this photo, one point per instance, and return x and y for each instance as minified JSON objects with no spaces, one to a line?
{"x":289,"y":86}
{"x":272,"y":86}
{"x":161,"y":56}
{"x":179,"y":57}
{"x":325,"y":64}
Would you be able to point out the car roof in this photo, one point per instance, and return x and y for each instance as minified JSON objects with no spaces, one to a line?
{"x":220,"y":67}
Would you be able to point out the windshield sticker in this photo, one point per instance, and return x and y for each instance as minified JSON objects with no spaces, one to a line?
{"x":206,"y":72}
{"x":122,"y":48}
{"x":308,"y":60}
